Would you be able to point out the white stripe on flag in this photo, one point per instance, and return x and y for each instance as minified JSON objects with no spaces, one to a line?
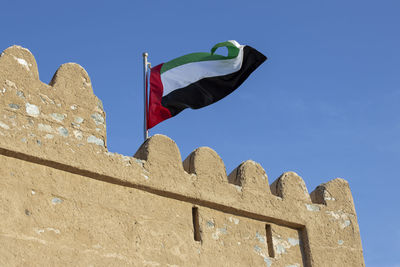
{"x":186,"y":74}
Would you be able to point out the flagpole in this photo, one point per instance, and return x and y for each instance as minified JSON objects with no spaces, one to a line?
{"x":145,"y":64}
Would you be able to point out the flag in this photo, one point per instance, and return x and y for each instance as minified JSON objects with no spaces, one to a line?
{"x":199,"y":79}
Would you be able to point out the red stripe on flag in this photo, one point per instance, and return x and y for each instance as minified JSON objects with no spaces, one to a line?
{"x":157,"y":112}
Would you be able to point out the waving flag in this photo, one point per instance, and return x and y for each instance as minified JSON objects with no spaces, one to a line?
{"x":199,"y":79}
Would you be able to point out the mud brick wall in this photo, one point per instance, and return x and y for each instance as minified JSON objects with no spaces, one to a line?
{"x":66,"y":201}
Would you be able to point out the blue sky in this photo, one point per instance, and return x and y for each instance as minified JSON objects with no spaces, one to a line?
{"x":325,"y":104}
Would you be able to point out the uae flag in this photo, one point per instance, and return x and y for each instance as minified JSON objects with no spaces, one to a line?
{"x":199,"y":79}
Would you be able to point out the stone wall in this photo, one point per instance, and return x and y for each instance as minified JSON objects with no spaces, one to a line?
{"x":66,"y":201}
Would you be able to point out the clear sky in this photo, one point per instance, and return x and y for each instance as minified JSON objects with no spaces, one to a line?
{"x":325,"y":104}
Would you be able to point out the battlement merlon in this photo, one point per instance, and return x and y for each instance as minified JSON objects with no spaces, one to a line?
{"x":62,"y":125}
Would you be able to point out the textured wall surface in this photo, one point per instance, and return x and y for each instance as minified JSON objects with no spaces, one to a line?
{"x":66,"y":201}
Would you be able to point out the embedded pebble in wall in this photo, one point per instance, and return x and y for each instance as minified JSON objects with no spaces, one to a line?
{"x":234,"y":220}
{"x":58,"y":117}
{"x":45,"y":99}
{"x":78,"y":134}
{"x":62,"y":131}
{"x":268,"y":261}
{"x":280,"y":249}
{"x":341,"y":217}
{"x":94,"y":140}
{"x":56,"y":200}
{"x":210,"y":224}
{"x":340,"y":242}
{"x":335,"y":215}
{"x":280,"y":245}
{"x":49,"y":136}
{"x":218,"y":232}
{"x":78,"y":120}
{"x":2,"y":91}
{"x":23,"y":63}
{"x":20,"y":94}
{"x":327,"y":196}
{"x":293,"y":241}
{"x":4,"y":126}
{"x":74,"y":107}
{"x":238,"y":188}
{"x":13,"y":106}
{"x":45,"y":128}
{"x":32,"y":110}
{"x":345,"y":224}
{"x":312,"y":207}
{"x":260,"y":237}
{"x":257,"y":249}
{"x":98,"y":119}
{"x":11,"y":84}
{"x":23,"y":140}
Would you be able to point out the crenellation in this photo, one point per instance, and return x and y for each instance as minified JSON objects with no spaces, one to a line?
{"x":252,"y":179}
{"x":205,"y":162}
{"x":66,"y":197}
{"x":290,"y":186}
{"x":160,"y":151}
{"x":335,"y":194}
{"x":20,"y":62}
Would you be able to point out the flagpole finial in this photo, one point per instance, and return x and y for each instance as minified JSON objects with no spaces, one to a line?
{"x":145,"y":54}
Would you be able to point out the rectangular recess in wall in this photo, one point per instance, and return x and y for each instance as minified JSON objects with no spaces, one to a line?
{"x":268,"y":230}
{"x":196,"y":224}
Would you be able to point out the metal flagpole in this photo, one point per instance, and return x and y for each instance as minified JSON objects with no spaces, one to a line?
{"x":145,"y":64}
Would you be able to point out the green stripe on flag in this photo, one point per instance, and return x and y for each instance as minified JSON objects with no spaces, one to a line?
{"x":233,"y":52}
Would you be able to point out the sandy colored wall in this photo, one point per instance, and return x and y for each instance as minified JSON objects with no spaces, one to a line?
{"x":66,"y":201}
